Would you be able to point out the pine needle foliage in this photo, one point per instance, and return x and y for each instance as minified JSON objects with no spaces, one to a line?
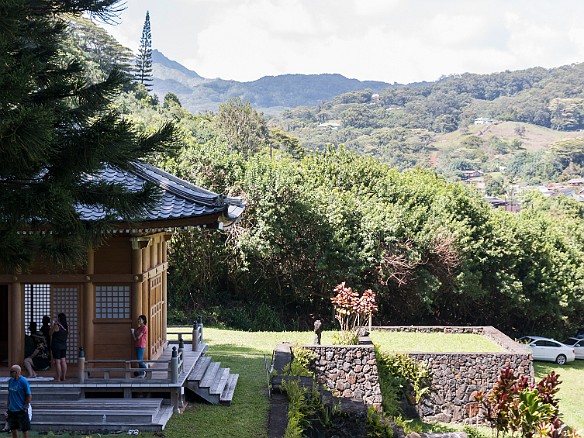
{"x":57,"y":130}
{"x":144,"y":59}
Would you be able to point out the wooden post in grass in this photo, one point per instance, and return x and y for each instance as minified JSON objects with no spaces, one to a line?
{"x":201,"y":326}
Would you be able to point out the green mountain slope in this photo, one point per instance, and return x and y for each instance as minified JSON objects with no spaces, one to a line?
{"x":433,"y":124}
{"x":269,"y":94}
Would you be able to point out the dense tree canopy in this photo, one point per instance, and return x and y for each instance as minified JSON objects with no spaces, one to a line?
{"x":58,"y":127}
{"x":434,"y":251}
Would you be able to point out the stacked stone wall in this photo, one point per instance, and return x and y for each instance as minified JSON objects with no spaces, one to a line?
{"x":348,"y":371}
{"x":456,"y":377}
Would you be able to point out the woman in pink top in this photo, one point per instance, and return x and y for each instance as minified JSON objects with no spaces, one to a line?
{"x":140,"y":336}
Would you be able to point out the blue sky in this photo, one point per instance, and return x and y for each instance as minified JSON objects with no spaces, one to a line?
{"x":388,"y":40}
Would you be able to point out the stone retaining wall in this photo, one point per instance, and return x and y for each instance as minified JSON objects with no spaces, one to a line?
{"x":351,"y":371}
{"x":348,"y":371}
{"x":457,"y":376}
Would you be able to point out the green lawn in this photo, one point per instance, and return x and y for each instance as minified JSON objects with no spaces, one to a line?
{"x":395,"y":342}
{"x":244,"y":353}
{"x":571,"y":393}
{"x":247,"y":416}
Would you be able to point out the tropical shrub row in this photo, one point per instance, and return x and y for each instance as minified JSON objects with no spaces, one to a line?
{"x":433,"y":251}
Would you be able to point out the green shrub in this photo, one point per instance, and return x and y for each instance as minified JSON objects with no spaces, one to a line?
{"x":302,"y":359}
{"x":266,"y":318}
{"x":237,"y":318}
{"x":179,"y":316}
{"x":258,"y":318}
{"x":473,"y":432}
{"x":376,"y":426}
{"x":400,"y":377}
{"x":346,"y":337}
{"x":515,"y":405}
{"x":297,"y":406}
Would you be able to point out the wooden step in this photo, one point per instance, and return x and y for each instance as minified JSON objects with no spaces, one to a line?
{"x":96,"y":417}
{"x":82,"y":424}
{"x":103,"y":404}
{"x":210,"y":374}
{"x":212,"y":383}
{"x":229,"y":390}
{"x":200,"y":368}
{"x":220,"y":381}
{"x":49,"y":393}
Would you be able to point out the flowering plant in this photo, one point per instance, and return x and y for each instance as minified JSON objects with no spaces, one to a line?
{"x":351,"y":309}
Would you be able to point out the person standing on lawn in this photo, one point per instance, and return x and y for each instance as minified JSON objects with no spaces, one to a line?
{"x":19,"y":397}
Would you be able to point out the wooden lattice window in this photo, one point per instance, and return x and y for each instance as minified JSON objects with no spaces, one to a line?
{"x":37,"y":303}
{"x":156,"y":316}
{"x":112,"y":302}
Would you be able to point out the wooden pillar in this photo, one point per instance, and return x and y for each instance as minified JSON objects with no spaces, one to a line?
{"x":154,"y":260}
{"x":140,"y":264}
{"x":16,"y":323}
{"x":136,"y":292}
{"x":89,"y":307}
{"x":164,"y":259}
{"x":146,"y":265}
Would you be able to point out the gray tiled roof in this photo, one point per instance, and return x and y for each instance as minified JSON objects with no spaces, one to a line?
{"x":180,"y":199}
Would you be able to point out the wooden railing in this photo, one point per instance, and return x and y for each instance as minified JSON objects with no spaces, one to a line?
{"x":196,"y":335}
{"x":108,"y":369}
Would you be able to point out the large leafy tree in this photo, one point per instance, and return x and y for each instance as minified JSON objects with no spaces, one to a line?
{"x":144,"y":59}
{"x":242,"y":127}
{"x":57,"y":129}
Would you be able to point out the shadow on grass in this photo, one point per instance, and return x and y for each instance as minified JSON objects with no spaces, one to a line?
{"x":542,"y":368}
{"x":247,"y":416}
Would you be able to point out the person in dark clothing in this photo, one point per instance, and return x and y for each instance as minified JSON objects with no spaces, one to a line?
{"x":39,"y":359}
{"x":28,"y":340}
{"x":58,"y":333}
{"x":46,"y":329}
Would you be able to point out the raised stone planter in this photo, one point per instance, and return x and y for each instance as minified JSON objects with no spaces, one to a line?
{"x":456,"y":377}
{"x":350,"y":371}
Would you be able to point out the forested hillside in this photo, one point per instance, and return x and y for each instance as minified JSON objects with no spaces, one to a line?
{"x":432,"y":124}
{"x":434,"y":251}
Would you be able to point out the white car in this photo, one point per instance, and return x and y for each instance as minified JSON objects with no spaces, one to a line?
{"x":548,"y":349}
{"x":578,"y":346}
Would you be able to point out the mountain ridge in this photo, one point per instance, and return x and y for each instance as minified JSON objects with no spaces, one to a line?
{"x":268,"y":93}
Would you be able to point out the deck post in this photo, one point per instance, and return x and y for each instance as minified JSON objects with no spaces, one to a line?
{"x":201,"y":326}
{"x":175,"y":400}
{"x":81,"y":365}
{"x":195,"y":335}
{"x":174,"y":366}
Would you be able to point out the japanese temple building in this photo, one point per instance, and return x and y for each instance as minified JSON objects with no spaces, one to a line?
{"x":123,"y":278}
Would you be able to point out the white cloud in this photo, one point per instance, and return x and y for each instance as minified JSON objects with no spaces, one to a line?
{"x":389,"y":40}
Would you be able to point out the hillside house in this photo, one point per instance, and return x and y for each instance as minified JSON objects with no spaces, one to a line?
{"x":484,"y":121}
{"x":467,"y":174}
{"x":577,"y":182}
{"x":329,"y":125}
